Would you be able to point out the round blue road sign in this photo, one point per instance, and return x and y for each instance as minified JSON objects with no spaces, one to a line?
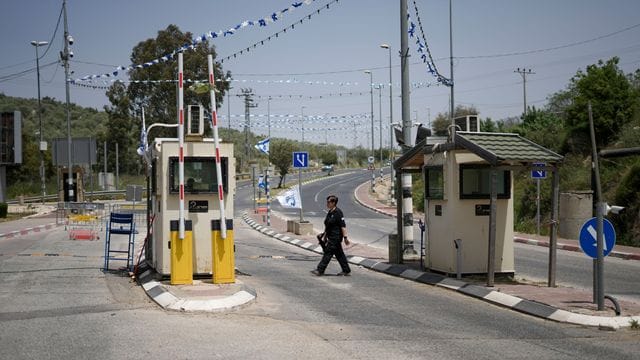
{"x":588,"y":237}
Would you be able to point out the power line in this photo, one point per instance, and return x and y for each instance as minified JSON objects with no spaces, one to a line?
{"x":551,"y":48}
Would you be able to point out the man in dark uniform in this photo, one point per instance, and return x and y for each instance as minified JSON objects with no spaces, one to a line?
{"x":335,"y":230}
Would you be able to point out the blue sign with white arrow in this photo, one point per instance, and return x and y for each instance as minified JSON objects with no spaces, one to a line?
{"x":300,"y":159}
{"x":538,"y":174}
{"x":588,"y":237}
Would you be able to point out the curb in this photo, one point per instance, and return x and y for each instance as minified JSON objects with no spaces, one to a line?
{"x":576,"y":248}
{"x":495,"y":297}
{"x":162,"y":296}
{"x":26,"y":231}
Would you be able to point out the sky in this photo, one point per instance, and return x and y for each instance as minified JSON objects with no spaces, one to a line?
{"x":316,"y":71}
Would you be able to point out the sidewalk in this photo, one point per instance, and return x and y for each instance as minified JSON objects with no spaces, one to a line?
{"x":562,"y":304}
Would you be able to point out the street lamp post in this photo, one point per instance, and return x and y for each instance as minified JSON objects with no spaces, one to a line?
{"x":373,"y":176}
{"x":302,"y":121}
{"x":41,"y":146}
{"x":392,"y":172}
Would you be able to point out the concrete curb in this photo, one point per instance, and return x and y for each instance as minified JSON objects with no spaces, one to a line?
{"x":162,"y":296}
{"x":576,"y":248}
{"x":495,"y":297}
{"x":26,"y":231}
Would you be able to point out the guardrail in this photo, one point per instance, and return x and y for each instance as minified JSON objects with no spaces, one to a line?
{"x":54,"y":197}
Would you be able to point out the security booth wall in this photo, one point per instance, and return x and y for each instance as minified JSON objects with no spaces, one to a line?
{"x":457,"y":199}
{"x":201,"y":197}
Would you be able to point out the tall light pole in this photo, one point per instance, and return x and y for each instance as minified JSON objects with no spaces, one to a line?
{"x":41,"y":146}
{"x":302,"y":121}
{"x":65,"y":55}
{"x":392,"y":172}
{"x":373,"y":176}
{"x":406,"y":222}
{"x":380,"y":130}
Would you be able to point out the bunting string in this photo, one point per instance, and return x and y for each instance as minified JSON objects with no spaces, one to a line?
{"x":263,"y":22}
{"x":423,"y":48}
{"x":277,"y":34}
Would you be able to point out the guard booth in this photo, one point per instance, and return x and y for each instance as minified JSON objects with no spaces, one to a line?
{"x":201,"y":196}
{"x":469,"y":196}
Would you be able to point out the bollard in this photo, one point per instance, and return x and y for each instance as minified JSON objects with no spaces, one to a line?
{"x":458,"y":244}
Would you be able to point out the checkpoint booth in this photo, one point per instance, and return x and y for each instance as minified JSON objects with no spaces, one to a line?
{"x":201,"y":205}
{"x":469,"y":198}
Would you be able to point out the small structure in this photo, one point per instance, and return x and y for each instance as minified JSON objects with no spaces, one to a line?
{"x":469,"y":198}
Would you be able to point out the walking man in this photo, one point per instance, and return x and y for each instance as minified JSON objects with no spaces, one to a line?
{"x":335,"y":230}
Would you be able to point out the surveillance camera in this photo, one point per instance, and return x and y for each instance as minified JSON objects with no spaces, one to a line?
{"x":614,"y":209}
{"x":70,"y":40}
{"x":70,"y":54}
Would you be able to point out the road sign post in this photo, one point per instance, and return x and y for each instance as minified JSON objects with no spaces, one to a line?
{"x":538,"y":174}
{"x":300,"y":161}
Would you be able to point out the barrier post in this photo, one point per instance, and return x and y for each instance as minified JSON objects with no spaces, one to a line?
{"x":181,"y":253}
{"x":222,"y":250}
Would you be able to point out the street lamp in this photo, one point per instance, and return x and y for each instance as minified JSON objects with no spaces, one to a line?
{"x":42,"y":146}
{"x":393,"y":177}
{"x":302,"y":121}
{"x":373,"y":176}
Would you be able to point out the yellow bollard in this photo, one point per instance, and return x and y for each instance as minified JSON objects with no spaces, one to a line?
{"x":181,"y":254}
{"x":223,"y":253}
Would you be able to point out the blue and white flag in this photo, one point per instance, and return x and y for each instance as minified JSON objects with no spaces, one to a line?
{"x":142,"y":148}
{"x":290,"y":199}
{"x":263,"y":146}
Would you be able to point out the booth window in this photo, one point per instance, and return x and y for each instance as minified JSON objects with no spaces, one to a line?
{"x":199,"y":175}
{"x":433,"y":183}
{"x":475,"y":182}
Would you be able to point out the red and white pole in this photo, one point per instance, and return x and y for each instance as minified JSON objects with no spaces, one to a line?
{"x":216,"y":140}
{"x":181,"y":140}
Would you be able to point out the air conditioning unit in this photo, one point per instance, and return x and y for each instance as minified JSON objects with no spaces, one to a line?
{"x":470,"y":123}
{"x":195,"y":120}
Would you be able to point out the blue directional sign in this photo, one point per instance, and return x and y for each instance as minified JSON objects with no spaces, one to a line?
{"x":300,"y":159}
{"x":538,"y":174}
{"x":588,"y":237}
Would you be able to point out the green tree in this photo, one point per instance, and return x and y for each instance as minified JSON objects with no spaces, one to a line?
{"x":154,"y":88}
{"x":614,"y":101}
{"x":281,"y":150}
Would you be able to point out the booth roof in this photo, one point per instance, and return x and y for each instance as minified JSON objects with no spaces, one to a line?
{"x":495,"y":148}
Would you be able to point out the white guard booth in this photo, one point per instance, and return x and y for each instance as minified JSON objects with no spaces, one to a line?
{"x":462,"y":226}
{"x":201,"y":196}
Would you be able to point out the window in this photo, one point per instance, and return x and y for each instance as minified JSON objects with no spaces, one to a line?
{"x":433,"y":183}
{"x":475,"y":182}
{"x":199,"y":175}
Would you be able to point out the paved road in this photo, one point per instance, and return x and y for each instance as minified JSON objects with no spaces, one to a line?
{"x":56,"y":303}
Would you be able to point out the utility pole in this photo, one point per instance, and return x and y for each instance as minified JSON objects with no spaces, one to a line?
{"x":65,"y":54}
{"x":407,"y":201}
{"x":524,"y":72}
{"x":248,"y":104}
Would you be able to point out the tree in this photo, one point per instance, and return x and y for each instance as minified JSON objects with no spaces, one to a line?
{"x":154,"y":88}
{"x":614,"y":101}
{"x":281,"y":150}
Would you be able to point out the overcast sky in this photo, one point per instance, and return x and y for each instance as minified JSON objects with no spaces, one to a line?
{"x":332,"y":48}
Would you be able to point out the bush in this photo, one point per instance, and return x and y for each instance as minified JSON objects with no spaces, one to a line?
{"x":3,"y":210}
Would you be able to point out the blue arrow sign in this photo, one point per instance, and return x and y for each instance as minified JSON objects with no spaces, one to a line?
{"x":588,"y":237}
{"x":300,"y":159}
{"x":538,"y":174}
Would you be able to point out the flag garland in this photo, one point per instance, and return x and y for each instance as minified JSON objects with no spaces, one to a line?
{"x":423,"y":49}
{"x":263,"y":22}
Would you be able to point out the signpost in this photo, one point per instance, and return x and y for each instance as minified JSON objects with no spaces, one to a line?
{"x":300,"y":161}
{"x":538,"y":174}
